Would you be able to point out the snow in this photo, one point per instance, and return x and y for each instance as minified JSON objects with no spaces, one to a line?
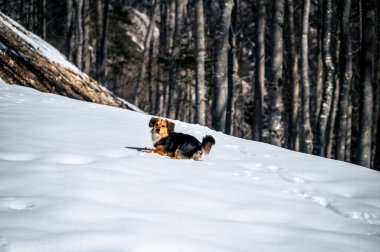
{"x":69,"y":182}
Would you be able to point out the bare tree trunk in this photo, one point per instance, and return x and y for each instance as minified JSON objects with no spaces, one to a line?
{"x":86,"y":37}
{"x":171,"y":19}
{"x":320,"y":135}
{"x":79,"y":33}
{"x":41,"y":18}
{"x":21,"y":12}
{"x":152,"y":73}
{"x":200,"y":94}
{"x":173,"y":64}
{"x":346,"y":80}
{"x":221,"y":68}
{"x":232,"y":71}
{"x":276,"y":124}
{"x":376,"y":157}
{"x":161,"y":79}
{"x":69,"y":29}
{"x":103,"y":47}
{"x":306,"y":133}
{"x":368,"y":63}
{"x":347,"y":155}
{"x":258,"y":123}
{"x":317,"y":89}
{"x":293,"y":132}
{"x":330,"y":141}
{"x":145,"y":55}
{"x":44,"y":23}
{"x":376,"y":164}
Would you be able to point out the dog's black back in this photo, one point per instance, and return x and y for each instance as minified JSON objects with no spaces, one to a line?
{"x":187,"y":144}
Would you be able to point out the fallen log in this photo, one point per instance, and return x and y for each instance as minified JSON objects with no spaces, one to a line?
{"x":26,"y":59}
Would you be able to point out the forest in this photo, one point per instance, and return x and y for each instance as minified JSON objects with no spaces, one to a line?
{"x":303,"y":75}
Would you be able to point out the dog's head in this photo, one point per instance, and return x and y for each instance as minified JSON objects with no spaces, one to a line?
{"x":160,"y":128}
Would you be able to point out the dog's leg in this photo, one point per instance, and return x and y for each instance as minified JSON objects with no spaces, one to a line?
{"x":148,"y":150}
{"x":178,"y":154}
{"x":197,"y":155}
{"x":160,"y":149}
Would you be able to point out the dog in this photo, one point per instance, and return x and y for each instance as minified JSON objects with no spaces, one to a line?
{"x":177,"y":145}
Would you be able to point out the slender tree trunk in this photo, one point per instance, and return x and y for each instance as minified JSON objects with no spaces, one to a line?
{"x":306,"y":133}
{"x":41,"y":18}
{"x":200,"y":94}
{"x":332,"y":123}
{"x":293,"y":132}
{"x":346,"y":80}
{"x":79,"y":34}
{"x":86,"y":37}
{"x":173,"y":101}
{"x":34,"y":16}
{"x":317,"y":89}
{"x":44,"y":23}
{"x":161,"y":79}
{"x":232,"y":71}
{"x":152,"y":73}
{"x":171,"y":19}
{"x":21,"y":12}
{"x":103,"y":46}
{"x":368,"y":63}
{"x":145,"y":54}
{"x":330,"y":142}
{"x":320,"y":136}
{"x":376,"y":157}
{"x":259,"y":114}
{"x":221,"y":68}
{"x":69,"y":29}
{"x":276,"y":124}
{"x":376,"y":165}
{"x":347,"y":155}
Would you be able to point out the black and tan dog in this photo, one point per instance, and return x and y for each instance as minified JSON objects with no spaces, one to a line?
{"x":176,"y":145}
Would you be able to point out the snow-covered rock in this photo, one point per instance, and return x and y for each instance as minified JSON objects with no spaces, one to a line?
{"x":28,"y":60}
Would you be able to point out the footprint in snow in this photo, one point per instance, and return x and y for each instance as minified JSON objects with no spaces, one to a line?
{"x":247,"y":152}
{"x":242,"y":150}
{"x":269,"y":156}
{"x":230,"y":146}
{"x":20,"y":101}
{"x":260,"y":167}
{"x":70,"y":159}
{"x":292,"y":179}
{"x":4,"y":245}
{"x":252,"y":169}
{"x":374,"y":233}
{"x":364,"y":215}
{"x":15,"y":204}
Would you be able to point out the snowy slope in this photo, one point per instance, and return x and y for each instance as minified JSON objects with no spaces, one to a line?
{"x":68,"y":183}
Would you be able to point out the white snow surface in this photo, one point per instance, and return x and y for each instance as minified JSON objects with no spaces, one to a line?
{"x":68,"y":182}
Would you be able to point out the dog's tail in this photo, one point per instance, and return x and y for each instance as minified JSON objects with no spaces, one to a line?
{"x":207,"y":143}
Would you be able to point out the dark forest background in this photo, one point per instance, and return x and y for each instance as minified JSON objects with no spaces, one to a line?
{"x":301,"y":74}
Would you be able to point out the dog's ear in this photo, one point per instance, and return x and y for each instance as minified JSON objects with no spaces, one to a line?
{"x":170,"y":125}
{"x":152,"y":121}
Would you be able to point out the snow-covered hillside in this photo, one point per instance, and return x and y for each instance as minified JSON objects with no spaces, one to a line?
{"x":69,"y":182}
